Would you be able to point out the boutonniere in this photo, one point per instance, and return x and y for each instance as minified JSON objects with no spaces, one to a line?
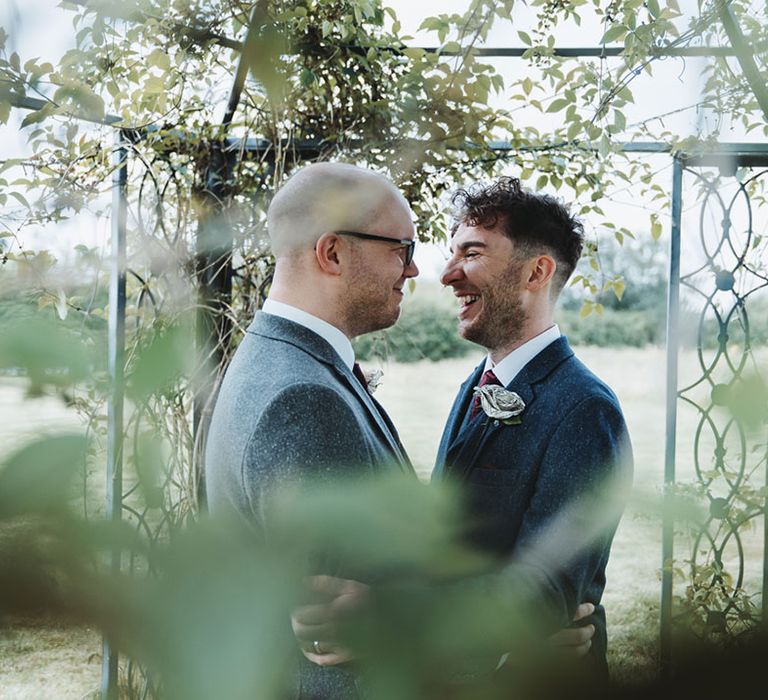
{"x":500,"y":404}
{"x":372,"y":379}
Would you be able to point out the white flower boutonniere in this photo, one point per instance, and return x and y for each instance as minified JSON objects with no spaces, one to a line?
{"x":373,"y":379}
{"x":500,"y":404}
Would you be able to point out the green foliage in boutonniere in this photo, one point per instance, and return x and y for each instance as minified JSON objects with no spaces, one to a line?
{"x":500,"y":404}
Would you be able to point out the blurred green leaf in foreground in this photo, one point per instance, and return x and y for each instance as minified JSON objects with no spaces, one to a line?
{"x":45,"y":351}
{"x":208,"y":614}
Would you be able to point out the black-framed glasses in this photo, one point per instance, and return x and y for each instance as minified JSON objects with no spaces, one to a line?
{"x":407,"y":244}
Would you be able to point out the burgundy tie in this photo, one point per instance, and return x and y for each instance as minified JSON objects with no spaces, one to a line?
{"x":358,"y":372}
{"x":488,"y":378}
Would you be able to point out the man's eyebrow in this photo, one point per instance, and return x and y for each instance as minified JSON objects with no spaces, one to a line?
{"x":463,"y":247}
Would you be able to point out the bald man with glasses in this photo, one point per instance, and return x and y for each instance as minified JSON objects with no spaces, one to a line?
{"x":293,"y":405}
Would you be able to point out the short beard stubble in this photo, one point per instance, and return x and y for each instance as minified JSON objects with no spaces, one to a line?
{"x":502,"y":319}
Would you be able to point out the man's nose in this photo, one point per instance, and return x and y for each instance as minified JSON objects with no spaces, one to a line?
{"x":449,"y":274}
{"x":411,"y":270}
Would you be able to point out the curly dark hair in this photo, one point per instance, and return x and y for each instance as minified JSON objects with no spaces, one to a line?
{"x":535,"y":223}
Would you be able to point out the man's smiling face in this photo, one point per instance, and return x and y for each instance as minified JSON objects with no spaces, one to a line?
{"x":487,"y":278}
{"x":378,"y":272}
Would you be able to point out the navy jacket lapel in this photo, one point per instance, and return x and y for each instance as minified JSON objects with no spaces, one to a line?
{"x":453,"y":427}
{"x":462,"y":454}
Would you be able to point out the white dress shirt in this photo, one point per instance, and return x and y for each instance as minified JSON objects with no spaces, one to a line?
{"x":335,"y":338}
{"x":508,"y":368}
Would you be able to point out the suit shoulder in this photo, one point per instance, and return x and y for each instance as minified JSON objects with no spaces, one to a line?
{"x":575,"y":382}
{"x":316,"y":398}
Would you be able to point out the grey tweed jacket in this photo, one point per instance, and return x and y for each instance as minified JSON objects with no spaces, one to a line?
{"x":289,"y":410}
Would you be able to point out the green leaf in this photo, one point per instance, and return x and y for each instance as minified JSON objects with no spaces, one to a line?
{"x":20,"y":199}
{"x":48,"y":354}
{"x":168,"y":356}
{"x":307,"y":77}
{"x":525,"y":38}
{"x":558,"y":105}
{"x":37,"y":479}
{"x":150,"y":460}
{"x":83,"y":100}
{"x":154,"y":85}
{"x":625,"y":94}
{"x":604,"y":146}
{"x":527,"y":86}
{"x":35,"y":117}
{"x":113,"y":88}
{"x":616,"y":32}
{"x":415,"y":54}
{"x":573,"y":130}
{"x":160,"y":59}
{"x":656,"y":227}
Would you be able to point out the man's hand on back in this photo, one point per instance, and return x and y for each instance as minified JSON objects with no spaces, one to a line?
{"x":315,"y":625}
{"x":575,"y":641}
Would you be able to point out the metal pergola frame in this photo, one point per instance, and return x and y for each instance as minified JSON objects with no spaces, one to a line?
{"x":727,"y":158}
{"x":216,"y":287}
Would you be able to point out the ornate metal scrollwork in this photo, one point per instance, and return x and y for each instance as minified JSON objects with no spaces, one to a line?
{"x":723,"y":460}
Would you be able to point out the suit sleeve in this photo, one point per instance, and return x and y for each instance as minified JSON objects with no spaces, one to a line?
{"x":578,"y":498}
{"x":307,"y":433}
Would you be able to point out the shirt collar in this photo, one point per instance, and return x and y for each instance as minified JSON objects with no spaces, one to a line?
{"x":332,"y":335}
{"x":509,"y":367}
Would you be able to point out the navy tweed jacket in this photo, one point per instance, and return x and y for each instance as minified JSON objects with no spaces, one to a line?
{"x":524,"y":482}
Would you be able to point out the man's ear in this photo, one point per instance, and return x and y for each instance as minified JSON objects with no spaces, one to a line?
{"x":541,"y":270}
{"x":327,"y":253}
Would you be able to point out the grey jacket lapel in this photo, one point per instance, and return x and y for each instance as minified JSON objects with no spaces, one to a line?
{"x":301,"y":337}
{"x":464,"y":451}
{"x":374,"y":409}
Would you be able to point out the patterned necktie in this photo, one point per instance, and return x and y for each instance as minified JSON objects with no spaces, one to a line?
{"x":488,"y":378}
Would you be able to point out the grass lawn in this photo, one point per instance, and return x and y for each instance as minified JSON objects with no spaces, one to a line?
{"x":44,"y":660}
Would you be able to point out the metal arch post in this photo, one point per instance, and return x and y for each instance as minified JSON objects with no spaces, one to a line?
{"x":116,"y":360}
{"x":668,"y":521}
